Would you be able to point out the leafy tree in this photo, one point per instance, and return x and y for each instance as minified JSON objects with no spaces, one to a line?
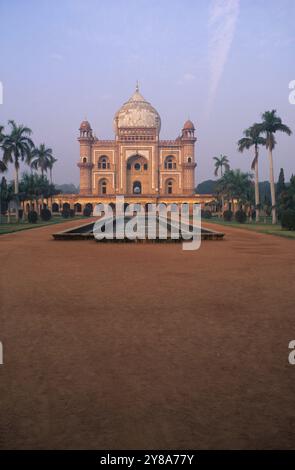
{"x":264,"y":190}
{"x":287,"y":206}
{"x":68,"y":188}
{"x":6,"y":195}
{"x":34,"y":186}
{"x":206,"y":187}
{"x":3,"y":167}
{"x":287,"y":197}
{"x":288,"y":219}
{"x":281,"y":183}
{"x":236,"y":184}
{"x":270,"y":125}
{"x":253,"y":139}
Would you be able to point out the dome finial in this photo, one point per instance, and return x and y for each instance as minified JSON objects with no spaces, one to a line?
{"x":137,"y":86}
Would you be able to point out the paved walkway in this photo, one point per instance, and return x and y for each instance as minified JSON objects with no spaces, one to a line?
{"x":146,"y":346}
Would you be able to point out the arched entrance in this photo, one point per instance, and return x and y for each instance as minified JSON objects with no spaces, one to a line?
{"x":137,"y":175}
{"x":78,"y":207}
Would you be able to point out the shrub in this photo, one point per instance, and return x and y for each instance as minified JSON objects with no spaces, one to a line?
{"x":87,"y":211}
{"x":288,"y":219}
{"x":32,"y":217}
{"x":227,"y":215}
{"x":241,"y":216}
{"x":206,"y":214}
{"x":65,"y":213}
{"x":45,"y":214}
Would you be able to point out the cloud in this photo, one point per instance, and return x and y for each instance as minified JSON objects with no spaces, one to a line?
{"x":56,"y":56}
{"x":223,"y":16}
{"x":105,"y":97}
{"x":186,"y":77}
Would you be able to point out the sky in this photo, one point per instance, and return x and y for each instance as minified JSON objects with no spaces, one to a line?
{"x":220,"y":63}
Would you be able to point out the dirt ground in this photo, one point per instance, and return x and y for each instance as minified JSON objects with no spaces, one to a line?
{"x":146,"y":346}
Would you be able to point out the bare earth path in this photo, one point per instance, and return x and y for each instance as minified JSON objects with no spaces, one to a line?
{"x":146,"y":346}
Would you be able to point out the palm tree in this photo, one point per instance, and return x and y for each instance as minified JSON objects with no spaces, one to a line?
{"x":220,"y":164}
{"x":3,"y":166}
{"x":41,"y":158}
{"x":52,"y":161}
{"x":17,"y":147}
{"x":270,"y":125}
{"x":253,"y":138}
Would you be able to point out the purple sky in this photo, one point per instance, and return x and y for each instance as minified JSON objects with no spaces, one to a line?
{"x":220,"y":63}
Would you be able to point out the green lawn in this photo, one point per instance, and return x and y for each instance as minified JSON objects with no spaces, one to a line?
{"x":261,"y":227}
{"x":16,"y":227}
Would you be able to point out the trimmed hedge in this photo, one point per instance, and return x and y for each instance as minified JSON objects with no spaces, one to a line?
{"x":241,"y":216}
{"x":205,"y":214}
{"x":32,"y":217}
{"x":66,"y":213}
{"x":288,"y":219}
{"x":87,"y":211}
{"x":227,"y":215}
{"x":45,"y":214}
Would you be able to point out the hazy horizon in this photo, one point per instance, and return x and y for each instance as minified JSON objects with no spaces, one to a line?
{"x":220,"y":63}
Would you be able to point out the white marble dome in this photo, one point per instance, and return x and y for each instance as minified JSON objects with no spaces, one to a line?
{"x":136,"y":113}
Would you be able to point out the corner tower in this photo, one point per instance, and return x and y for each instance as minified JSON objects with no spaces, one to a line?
{"x":85,"y":164}
{"x":188,"y":140}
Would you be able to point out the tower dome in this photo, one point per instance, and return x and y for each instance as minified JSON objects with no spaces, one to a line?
{"x":85,"y":125}
{"x":189,"y":125}
{"x":137,"y":113}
